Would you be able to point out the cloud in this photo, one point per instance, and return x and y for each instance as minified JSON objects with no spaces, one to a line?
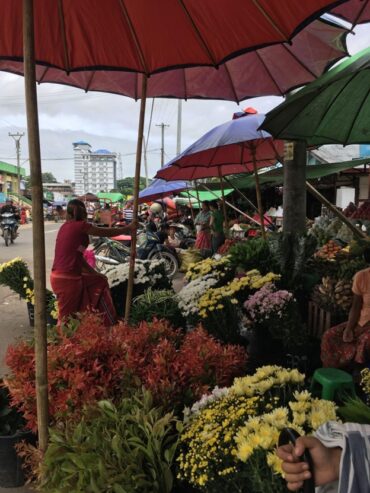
{"x":110,"y":121}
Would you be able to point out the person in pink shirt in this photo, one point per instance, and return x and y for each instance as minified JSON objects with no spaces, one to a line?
{"x":77,"y":286}
{"x":348,"y":344}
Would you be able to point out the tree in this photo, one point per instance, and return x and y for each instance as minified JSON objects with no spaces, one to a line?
{"x":126,"y":185}
{"x":48,"y":177}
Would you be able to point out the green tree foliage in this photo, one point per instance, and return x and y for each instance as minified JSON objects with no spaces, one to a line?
{"x":126,"y":185}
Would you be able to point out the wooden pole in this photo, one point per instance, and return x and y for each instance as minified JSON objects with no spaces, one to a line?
{"x":241,"y":193}
{"x":226,"y":222}
{"x":38,"y":234}
{"x":232,"y":206}
{"x":190,"y":205}
{"x":338,"y":213}
{"x":258,"y":193}
{"x":294,"y":188}
{"x":139,"y":148}
{"x":197,"y":192}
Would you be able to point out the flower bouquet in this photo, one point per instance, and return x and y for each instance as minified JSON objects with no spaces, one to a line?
{"x":229,"y":439}
{"x":16,"y":275}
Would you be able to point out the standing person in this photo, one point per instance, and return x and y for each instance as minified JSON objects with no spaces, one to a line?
{"x":202,"y":225}
{"x":128,"y":212}
{"x":78,"y":287}
{"x":348,"y":344}
{"x":217,"y":227}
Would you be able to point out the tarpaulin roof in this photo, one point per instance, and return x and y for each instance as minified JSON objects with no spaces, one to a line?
{"x":203,"y":195}
{"x":161,"y":188}
{"x":275,"y":176}
{"x":113,"y":196}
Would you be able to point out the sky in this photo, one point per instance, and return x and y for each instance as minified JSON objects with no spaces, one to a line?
{"x":108,"y":121}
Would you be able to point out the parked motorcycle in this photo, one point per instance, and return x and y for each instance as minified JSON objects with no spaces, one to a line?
{"x":149,"y":246}
{"x":9,"y":226}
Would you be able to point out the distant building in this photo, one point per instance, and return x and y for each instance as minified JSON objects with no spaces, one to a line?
{"x":9,"y":177}
{"x":95,"y":171}
{"x":59,"y":191}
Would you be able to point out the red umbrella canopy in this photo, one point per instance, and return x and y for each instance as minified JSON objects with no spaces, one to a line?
{"x":354,"y":11}
{"x":273,"y":70}
{"x":227,"y":149}
{"x":151,"y":36}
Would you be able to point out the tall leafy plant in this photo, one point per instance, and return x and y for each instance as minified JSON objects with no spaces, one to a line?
{"x":252,"y":254}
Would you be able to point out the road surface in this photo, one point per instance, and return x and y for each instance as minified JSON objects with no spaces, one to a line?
{"x":13,"y":311}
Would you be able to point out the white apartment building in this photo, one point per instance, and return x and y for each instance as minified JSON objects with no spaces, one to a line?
{"x":95,"y":171}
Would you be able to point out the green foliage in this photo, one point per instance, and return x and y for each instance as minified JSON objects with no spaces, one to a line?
{"x":355,"y":410}
{"x":252,"y":254}
{"x":126,"y":185}
{"x":11,"y":420}
{"x":291,"y":252}
{"x":128,"y":448}
{"x":348,"y":268}
{"x":161,"y":304}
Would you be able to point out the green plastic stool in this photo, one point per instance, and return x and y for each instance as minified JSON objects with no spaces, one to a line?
{"x":332,"y":381}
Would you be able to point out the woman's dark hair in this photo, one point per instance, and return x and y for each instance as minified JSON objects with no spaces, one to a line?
{"x":213,"y":204}
{"x":206,"y":203}
{"x":76,"y":210}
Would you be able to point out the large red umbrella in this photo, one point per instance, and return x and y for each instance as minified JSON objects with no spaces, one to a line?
{"x":142,"y":36}
{"x":272,"y":70}
{"x":354,"y":11}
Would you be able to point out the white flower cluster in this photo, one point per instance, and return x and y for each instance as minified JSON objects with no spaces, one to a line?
{"x":146,"y":272}
{"x":217,"y":393}
{"x":189,"y":295}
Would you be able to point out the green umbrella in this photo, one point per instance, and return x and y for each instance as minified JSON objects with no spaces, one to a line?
{"x":335,"y":109}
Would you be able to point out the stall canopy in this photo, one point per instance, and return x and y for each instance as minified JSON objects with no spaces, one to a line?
{"x":161,"y":188}
{"x":203,"y":195}
{"x":112,"y":196}
{"x":275,"y":177}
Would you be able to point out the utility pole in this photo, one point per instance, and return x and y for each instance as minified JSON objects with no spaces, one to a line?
{"x":17,"y":138}
{"x":179,"y":120}
{"x":162,"y":125}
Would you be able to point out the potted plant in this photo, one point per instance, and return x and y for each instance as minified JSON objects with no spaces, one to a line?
{"x":12,"y":431}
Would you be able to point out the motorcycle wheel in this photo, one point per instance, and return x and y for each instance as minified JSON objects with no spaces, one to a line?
{"x":171,"y":262}
{"x":108,"y":252}
{"x":6,"y":237}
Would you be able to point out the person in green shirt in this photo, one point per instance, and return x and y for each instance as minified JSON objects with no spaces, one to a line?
{"x":217,"y":227}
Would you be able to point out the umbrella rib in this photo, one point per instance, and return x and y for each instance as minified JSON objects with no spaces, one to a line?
{"x":269,"y":73}
{"x":278,"y":157}
{"x":64,"y":37}
{"x":361,"y":11}
{"x":133,"y":35}
{"x":298,"y":60}
{"x":198,"y":34}
{"x":231,"y":82}
{"x":355,"y":118}
{"x":43,"y":75}
{"x":90,"y":81}
{"x":271,"y":21}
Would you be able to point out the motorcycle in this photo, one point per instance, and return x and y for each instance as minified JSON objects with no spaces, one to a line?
{"x":8,"y":227}
{"x":148,"y":247}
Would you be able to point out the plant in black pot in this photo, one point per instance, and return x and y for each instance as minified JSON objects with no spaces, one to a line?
{"x":12,"y":431}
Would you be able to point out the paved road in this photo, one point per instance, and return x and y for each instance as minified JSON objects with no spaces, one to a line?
{"x":13,"y":311}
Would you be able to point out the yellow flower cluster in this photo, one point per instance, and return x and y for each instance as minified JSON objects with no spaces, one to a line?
{"x":10,"y":263}
{"x":213,"y":297}
{"x":365,"y":381}
{"x":218,"y":442}
{"x":207,"y":448}
{"x":209,"y":265}
{"x":55,"y":310}
{"x":265,"y":378}
{"x":305,"y":414}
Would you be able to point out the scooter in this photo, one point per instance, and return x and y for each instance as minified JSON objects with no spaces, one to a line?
{"x":9,"y":226}
{"x":149,"y":247}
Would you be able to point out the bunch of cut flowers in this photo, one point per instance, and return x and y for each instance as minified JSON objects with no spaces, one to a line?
{"x":150,"y":273}
{"x":229,"y":439}
{"x":218,"y":267}
{"x":16,"y":275}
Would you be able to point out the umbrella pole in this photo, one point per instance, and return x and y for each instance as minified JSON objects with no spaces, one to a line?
{"x":258,"y":193}
{"x":38,"y":234}
{"x":339,"y":214}
{"x":139,"y":148}
{"x":191,"y":206}
{"x":197,"y":192}
{"x":226,"y":222}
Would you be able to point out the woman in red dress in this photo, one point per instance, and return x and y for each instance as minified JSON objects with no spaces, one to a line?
{"x":77,"y":286}
{"x":349,"y":343}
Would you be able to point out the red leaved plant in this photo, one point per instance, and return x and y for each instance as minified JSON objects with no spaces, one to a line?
{"x":95,"y":363}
